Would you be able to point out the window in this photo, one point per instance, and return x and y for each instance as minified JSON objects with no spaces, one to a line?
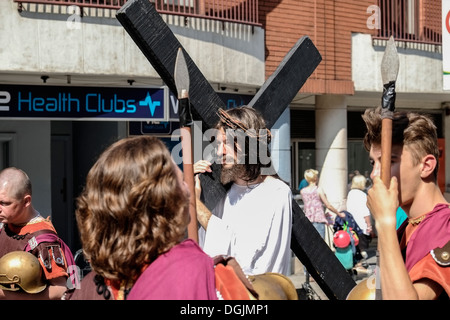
{"x":7,"y":149}
{"x":411,"y":20}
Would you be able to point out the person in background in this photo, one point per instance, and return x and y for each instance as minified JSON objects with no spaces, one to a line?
{"x":21,"y":223}
{"x":302,"y":184}
{"x":350,"y":178}
{"x":401,"y":217}
{"x":357,"y":206}
{"x":314,"y":200}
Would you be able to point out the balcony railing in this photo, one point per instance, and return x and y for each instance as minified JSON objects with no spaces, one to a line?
{"x":239,"y":11}
{"x":410,"y":20}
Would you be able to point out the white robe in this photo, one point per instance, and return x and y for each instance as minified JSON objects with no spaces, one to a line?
{"x":357,"y":206}
{"x":253,"y":224}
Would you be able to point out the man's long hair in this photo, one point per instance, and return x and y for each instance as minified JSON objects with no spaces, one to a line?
{"x":251,"y":139}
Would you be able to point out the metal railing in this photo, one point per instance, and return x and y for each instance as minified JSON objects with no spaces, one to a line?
{"x":410,"y":20}
{"x":407,"y":20}
{"x":239,"y":11}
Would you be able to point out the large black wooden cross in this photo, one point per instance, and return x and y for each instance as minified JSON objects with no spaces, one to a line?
{"x":157,"y":42}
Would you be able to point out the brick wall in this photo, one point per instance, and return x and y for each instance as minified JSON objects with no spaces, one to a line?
{"x":329,"y":24}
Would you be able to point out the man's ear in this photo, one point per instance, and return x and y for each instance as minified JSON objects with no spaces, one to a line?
{"x":27,"y":200}
{"x":429,"y":163}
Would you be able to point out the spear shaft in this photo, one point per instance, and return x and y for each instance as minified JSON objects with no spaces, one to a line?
{"x":389,"y":72}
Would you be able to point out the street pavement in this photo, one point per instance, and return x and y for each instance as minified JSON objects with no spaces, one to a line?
{"x":298,"y":277}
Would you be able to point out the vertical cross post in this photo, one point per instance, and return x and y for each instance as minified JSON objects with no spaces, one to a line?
{"x":157,"y":42}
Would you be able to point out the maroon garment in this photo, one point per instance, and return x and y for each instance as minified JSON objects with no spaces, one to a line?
{"x":432,"y":232}
{"x":89,"y":290}
{"x":185,"y":272}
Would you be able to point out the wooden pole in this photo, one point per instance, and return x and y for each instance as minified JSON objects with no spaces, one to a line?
{"x":188,"y":170}
{"x":386,"y":151}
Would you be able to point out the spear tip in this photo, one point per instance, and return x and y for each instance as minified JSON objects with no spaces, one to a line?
{"x":390,"y":62}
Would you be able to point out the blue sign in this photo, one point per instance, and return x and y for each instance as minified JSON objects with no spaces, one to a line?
{"x":84,"y":103}
{"x":231,"y":100}
{"x":165,"y":128}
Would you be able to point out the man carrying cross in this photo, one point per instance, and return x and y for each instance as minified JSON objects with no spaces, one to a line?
{"x":160,"y":46}
{"x":253,"y":222}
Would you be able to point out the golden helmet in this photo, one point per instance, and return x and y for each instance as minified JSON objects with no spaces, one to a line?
{"x":21,"y":269}
{"x":273,"y":286}
{"x":365,"y":290}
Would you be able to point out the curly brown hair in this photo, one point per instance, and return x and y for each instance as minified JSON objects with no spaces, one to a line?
{"x":132,"y":208}
{"x":417,"y":131}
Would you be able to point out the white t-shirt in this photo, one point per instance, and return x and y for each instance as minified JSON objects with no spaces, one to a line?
{"x":253,"y":224}
{"x":356,"y":205}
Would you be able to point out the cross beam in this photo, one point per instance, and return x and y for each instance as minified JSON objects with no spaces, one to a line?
{"x":157,"y":42}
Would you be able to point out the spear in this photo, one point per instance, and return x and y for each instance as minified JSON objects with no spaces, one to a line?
{"x":181,"y":75}
{"x":389,"y":72}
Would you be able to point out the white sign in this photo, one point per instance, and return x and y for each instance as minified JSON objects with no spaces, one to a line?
{"x":446,"y":43}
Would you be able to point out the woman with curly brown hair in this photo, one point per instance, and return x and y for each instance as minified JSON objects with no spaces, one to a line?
{"x":132,"y":217}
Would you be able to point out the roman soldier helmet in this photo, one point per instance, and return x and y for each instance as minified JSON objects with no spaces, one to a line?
{"x":21,"y":269}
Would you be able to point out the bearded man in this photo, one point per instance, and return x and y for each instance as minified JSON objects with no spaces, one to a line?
{"x":253,"y":222}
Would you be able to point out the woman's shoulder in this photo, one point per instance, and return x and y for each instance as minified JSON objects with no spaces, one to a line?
{"x":188,"y":245}
{"x":310,"y":188}
{"x":188,"y":250}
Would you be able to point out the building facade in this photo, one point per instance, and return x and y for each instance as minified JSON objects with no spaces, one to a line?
{"x":55,"y":49}
{"x":326,"y":125}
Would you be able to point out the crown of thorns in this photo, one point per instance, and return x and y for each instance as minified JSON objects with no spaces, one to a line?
{"x":233,"y":123}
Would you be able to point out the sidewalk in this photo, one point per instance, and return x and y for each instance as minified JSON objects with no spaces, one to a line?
{"x":298,"y":278}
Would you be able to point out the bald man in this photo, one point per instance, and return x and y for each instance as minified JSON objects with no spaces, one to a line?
{"x":20,"y":224}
